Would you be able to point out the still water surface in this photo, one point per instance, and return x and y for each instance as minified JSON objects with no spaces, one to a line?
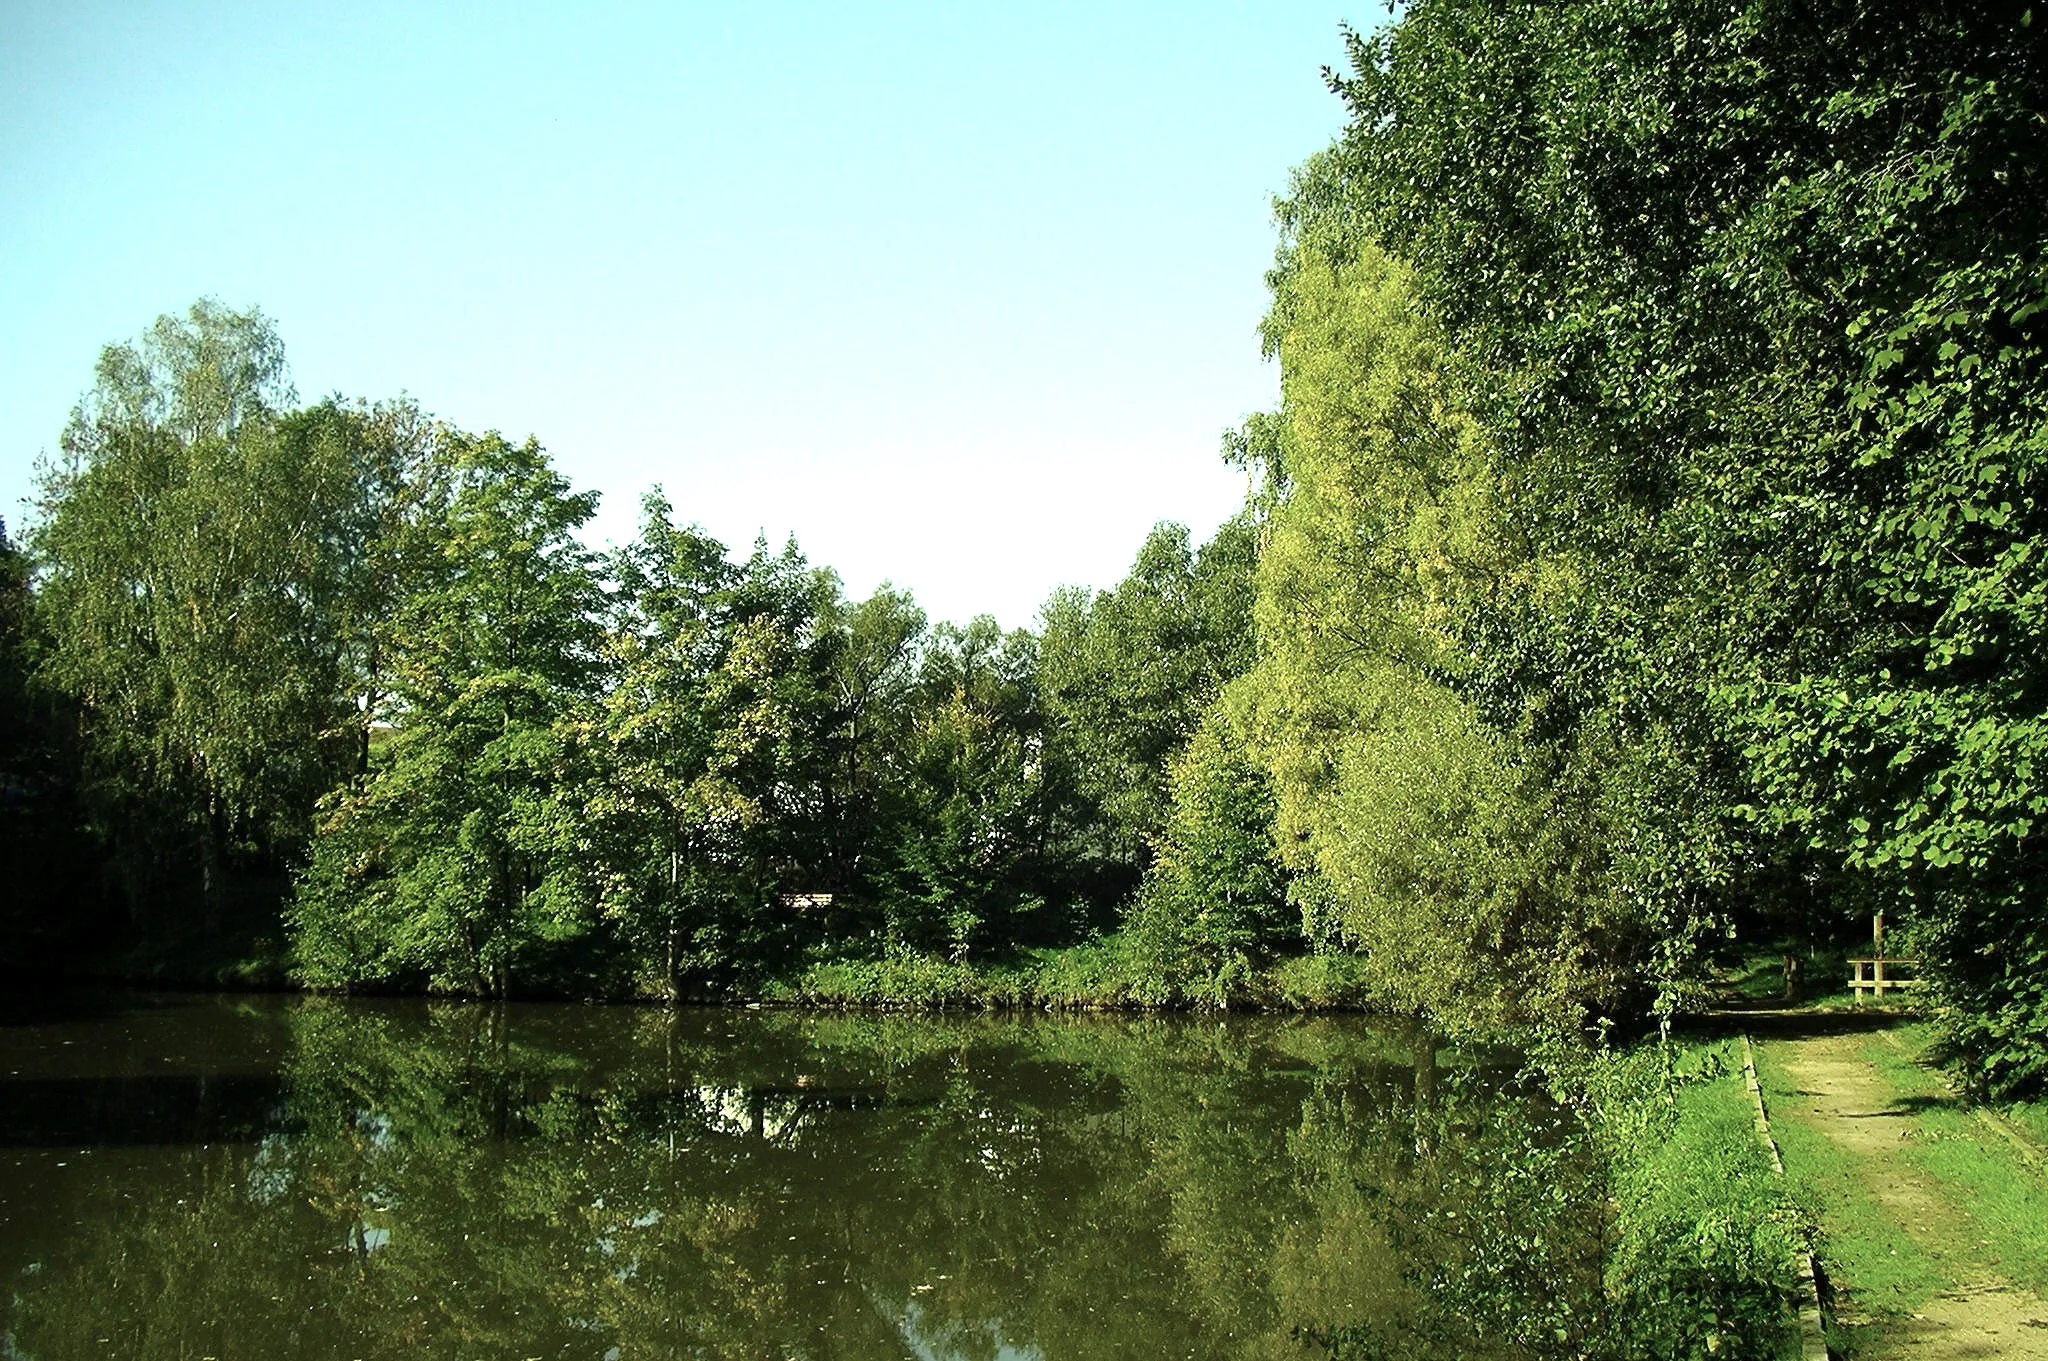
{"x":192,"y":1177}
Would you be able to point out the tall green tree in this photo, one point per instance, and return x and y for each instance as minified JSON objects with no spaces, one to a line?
{"x":1214,"y":905}
{"x":963,"y":859}
{"x":1125,"y":675}
{"x":1750,"y":297}
{"x":873,"y":651}
{"x":784,"y":604}
{"x":397,"y":453}
{"x":53,"y":905}
{"x":691,"y":728}
{"x":189,"y":571}
{"x":1477,"y":877}
{"x":463,"y":859}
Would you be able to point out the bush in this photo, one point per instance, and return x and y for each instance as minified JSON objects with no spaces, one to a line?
{"x":1101,"y":973}
{"x":901,"y":977}
{"x":1214,"y":906}
{"x":1320,"y":982}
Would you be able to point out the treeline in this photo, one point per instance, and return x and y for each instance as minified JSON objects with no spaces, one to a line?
{"x":1656,"y":551}
{"x":1645,"y":553}
{"x":346,"y":665}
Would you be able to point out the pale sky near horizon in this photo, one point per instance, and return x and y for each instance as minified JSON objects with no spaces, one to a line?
{"x":963,"y":296}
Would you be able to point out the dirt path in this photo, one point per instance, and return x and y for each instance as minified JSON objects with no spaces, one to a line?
{"x":1840,"y":1094}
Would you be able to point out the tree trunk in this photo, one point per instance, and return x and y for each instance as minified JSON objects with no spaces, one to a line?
{"x":675,"y":984}
{"x":212,"y":874}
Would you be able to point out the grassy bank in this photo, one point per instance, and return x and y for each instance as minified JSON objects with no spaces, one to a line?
{"x":1707,"y":1235}
{"x":1104,"y":974}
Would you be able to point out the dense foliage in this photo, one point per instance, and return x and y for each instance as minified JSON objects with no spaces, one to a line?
{"x":44,"y":855}
{"x":357,"y":664}
{"x":1127,"y":673}
{"x":1707,"y":1240}
{"x":195,"y":553}
{"x":1748,"y":301}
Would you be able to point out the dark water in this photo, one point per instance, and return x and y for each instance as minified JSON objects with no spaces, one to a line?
{"x":192,"y":1178}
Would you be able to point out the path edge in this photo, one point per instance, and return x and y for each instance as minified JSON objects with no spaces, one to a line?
{"x":2031,"y":1154}
{"x":1813,"y":1337}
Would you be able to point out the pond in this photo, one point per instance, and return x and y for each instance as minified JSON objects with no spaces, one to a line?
{"x":277,"y":1177}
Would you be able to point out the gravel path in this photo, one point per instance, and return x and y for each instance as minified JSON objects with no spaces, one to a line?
{"x":1843,"y":1096}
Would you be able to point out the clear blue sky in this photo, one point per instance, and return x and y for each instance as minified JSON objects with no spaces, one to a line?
{"x":962,"y":295}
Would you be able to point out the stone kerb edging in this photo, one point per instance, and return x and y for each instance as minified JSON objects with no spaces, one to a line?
{"x":1813,"y":1337}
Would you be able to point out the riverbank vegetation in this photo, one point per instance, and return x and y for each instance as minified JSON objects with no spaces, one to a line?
{"x":1704,"y":1254}
{"x":1645,"y":552}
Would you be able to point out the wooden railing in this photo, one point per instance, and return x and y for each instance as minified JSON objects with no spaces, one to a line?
{"x":1874,"y":976}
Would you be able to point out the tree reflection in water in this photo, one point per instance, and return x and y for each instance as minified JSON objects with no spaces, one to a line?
{"x":474,"y":1181}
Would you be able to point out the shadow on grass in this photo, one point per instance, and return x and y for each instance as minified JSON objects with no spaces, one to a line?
{"x":1782,"y":1023}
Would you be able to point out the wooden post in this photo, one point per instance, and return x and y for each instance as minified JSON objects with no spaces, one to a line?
{"x":1876,"y":964}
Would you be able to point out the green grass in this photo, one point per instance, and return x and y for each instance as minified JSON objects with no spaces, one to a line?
{"x":1757,"y":975}
{"x":1102,"y":974}
{"x":899,"y":978}
{"x":1882,"y":1270}
{"x":1098,"y":974}
{"x":2030,"y":1118}
{"x":1706,"y":1234}
{"x":2002,"y":1195}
